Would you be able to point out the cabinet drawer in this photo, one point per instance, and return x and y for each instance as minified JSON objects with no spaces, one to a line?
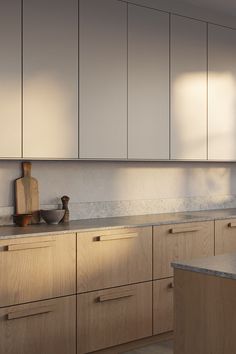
{"x":47,"y":327}
{"x":225,"y":236}
{"x":114,"y":316}
{"x":163,"y":305}
{"x":112,"y":258}
{"x":181,"y":241}
{"x":37,"y":268}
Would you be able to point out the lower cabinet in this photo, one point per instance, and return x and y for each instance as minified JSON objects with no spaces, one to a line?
{"x":114,"y":316}
{"x":225,"y":236}
{"x":44,"y":327}
{"x":163,"y":305}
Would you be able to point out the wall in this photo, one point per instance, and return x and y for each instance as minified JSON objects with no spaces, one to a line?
{"x":99,"y":189}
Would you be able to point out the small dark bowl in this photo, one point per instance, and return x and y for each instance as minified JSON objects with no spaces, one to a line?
{"x":22,"y":220}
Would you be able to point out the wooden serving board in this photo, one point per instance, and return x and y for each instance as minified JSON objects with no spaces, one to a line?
{"x":27,"y":194}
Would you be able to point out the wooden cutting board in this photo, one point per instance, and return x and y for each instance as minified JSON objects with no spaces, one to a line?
{"x":27,"y":194}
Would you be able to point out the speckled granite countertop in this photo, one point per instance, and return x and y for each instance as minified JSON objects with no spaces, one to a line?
{"x":223,"y":266}
{"x":118,"y":222}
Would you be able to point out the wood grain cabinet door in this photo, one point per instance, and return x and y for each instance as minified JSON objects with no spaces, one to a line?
{"x":113,"y":258}
{"x":225,"y":236}
{"x":37,"y":268}
{"x":45,"y":327}
{"x":180,"y":242}
{"x":148,"y":83}
{"x":50,"y":79}
{"x":10,"y":78}
{"x":103,"y":79}
{"x":110,"y":317}
{"x":163,"y":305}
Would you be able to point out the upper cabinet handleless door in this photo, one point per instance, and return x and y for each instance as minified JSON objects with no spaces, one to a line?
{"x":10,"y":78}
{"x":188,"y":89}
{"x":50,"y":54}
{"x":148,"y":82}
{"x":103,"y":79}
{"x":222,"y":93}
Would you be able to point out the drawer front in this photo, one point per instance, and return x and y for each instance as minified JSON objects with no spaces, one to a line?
{"x":163,"y":305}
{"x":225,"y":236}
{"x":114,"y":316}
{"x":37,"y":268}
{"x":45,"y":327}
{"x":180,"y":241}
{"x":113,"y":258}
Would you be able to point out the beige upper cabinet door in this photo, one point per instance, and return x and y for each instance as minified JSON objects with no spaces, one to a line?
{"x":148,"y":82}
{"x":222,"y":93}
{"x":103,"y":79}
{"x":10,"y":78}
{"x":188,"y":89}
{"x":50,"y":56}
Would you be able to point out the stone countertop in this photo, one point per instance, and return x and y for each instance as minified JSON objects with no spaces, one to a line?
{"x":223,"y":266}
{"x":116,"y":222}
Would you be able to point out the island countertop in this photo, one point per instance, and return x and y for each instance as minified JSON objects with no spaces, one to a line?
{"x":117,"y":222}
{"x":223,"y":266}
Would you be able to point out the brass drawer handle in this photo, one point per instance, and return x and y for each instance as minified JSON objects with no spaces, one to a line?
{"x":180,"y":230}
{"x":29,"y":312}
{"x":117,"y":237}
{"x":232,"y":224}
{"x":116,"y":296}
{"x":29,"y":246}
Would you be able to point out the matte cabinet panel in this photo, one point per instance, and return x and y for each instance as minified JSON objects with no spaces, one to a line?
{"x":103,"y":79}
{"x":188,"y":89}
{"x":114,"y":316}
{"x":10,"y":78}
{"x":45,"y":327}
{"x":148,"y":82}
{"x":50,"y":78}
{"x":222,"y":93}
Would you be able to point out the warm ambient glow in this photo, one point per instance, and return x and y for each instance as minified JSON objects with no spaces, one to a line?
{"x":189,"y":103}
{"x":222,"y":113}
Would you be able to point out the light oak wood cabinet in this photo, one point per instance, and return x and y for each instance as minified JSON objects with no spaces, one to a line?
{"x":45,"y":327}
{"x":109,"y":258}
{"x":37,"y":268}
{"x":148,"y":83}
{"x":10,"y":79}
{"x":222,"y":99}
{"x":111,"y":317}
{"x":163,"y":305}
{"x":50,"y":79}
{"x":225,"y":236}
{"x":180,"y":241}
{"x":188,"y":89}
{"x":103,"y":79}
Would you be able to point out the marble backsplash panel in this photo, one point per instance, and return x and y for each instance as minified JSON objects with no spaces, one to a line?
{"x":89,"y":210}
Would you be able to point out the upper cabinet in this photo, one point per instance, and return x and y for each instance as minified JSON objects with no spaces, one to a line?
{"x":148,"y":83}
{"x":222,"y":93}
{"x":10,"y":79}
{"x":103,"y":79}
{"x":188,"y":89}
{"x":50,"y":79}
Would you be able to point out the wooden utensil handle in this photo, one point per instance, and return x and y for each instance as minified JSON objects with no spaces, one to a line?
{"x":26,"y":168}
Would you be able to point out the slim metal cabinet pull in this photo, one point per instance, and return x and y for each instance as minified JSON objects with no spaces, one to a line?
{"x":29,"y":246}
{"x":116,"y":296}
{"x":117,"y":237}
{"x":29,"y":312}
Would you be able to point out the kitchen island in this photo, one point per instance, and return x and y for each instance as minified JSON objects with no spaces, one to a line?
{"x":205,"y":305}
